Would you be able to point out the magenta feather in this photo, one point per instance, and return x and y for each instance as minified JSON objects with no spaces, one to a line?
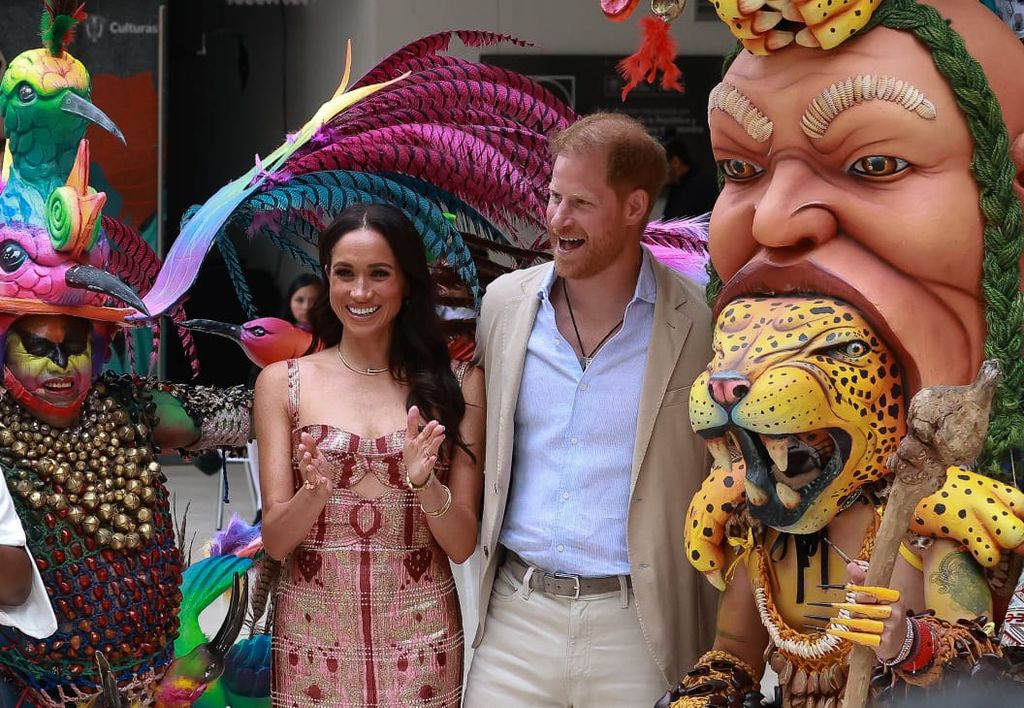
{"x":681,"y":244}
{"x":692,"y":264}
{"x":444,"y":70}
{"x":397,"y":62}
{"x":185,"y":338}
{"x":132,"y":259}
{"x":509,"y":157}
{"x":689,"y":234}
{"x":445,"y":94}
{"x":491,"y":186}
{"x":359,"y":120}
{"x":519,"y":144}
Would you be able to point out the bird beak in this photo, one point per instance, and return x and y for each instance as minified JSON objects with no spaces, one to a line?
{"x":221,"y":329}
{"x":111,"y":695}
{"x":228,"y":631}
{"x":75,"y":104}
{"x":90,"y":278}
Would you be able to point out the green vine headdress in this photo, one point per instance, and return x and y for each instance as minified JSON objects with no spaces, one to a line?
{"x":995,"y":174}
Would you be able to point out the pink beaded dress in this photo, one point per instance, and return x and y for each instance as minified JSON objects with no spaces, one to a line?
{"x":366,"y":609}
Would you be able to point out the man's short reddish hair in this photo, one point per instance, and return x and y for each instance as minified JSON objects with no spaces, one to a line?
{"x":635,"y":159}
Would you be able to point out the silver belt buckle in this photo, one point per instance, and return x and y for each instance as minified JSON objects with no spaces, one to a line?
{"x":574,"y":578}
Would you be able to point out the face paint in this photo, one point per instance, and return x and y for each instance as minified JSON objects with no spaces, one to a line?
{"x":49,"y":366}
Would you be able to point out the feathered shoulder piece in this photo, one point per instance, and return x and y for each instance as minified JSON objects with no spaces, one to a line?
{"x":57,"y":28}
{"x":459,"y":146}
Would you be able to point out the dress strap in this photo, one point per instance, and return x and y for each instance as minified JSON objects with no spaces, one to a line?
{"x":460,"y":370}
{"x":293,"y":391}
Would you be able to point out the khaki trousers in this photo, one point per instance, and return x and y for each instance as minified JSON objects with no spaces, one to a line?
{"x":542,"y":651}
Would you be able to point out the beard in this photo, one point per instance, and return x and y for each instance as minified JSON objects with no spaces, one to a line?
{"x":593,"y":256}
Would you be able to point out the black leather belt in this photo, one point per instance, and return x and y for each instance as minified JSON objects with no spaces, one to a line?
{"x":563,"y":585}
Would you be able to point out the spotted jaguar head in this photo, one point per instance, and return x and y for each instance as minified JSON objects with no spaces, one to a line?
{"x":810,"y":398}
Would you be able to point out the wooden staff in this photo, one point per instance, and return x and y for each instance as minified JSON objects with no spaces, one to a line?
{"x":946,"y":427}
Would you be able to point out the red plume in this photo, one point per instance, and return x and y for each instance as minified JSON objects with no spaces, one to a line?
{"x":656,"y":53}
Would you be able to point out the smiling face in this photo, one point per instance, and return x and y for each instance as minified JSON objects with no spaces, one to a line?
{"x":366,"y":284}
{"x":302,"y":301}
{"x":589,"y":223}
{"x":49,"y":366}
{"x":875,"y":203}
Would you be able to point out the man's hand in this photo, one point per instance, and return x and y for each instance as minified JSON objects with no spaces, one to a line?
{"x":16,"y":580}
{"x":871,"y":616}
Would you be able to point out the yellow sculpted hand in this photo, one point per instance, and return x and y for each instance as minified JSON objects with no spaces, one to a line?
{"x":710,"y":508}
{"x":981,"y":513}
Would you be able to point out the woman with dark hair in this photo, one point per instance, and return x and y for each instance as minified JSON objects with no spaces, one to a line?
{"x":371,"y":480}
{"x":299,"y":300}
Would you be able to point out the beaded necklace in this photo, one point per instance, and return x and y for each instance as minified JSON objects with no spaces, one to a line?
{"x":808,"y":665}
{"x":100,"y":473}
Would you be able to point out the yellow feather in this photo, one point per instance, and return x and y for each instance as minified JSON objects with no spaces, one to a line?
{"x":5,"y":168}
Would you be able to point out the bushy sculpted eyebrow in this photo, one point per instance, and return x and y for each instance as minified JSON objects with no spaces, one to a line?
{"x":730,"y":100}
{"x":843,"y":95}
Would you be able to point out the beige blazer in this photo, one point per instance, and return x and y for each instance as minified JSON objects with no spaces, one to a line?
{"x":676,"y":607}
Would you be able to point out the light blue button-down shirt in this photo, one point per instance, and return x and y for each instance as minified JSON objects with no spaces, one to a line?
{"x":575,"y":433}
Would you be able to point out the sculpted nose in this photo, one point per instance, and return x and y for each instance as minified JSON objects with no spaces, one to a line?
{"x":794,"y":210}
{"x":728,"y":387}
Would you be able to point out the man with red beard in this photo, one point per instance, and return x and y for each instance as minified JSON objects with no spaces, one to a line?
{"x":588,"y":363}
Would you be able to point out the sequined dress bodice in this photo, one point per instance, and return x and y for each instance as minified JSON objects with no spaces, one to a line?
{"x":367,"y":613}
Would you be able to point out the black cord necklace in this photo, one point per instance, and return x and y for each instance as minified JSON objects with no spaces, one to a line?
{"x":587,"y":358}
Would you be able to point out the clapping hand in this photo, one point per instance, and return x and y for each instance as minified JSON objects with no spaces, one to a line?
{"x":421,"y":447}
{"x":314,"y":469}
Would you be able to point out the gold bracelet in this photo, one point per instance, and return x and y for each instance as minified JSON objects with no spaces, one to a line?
{"x":444,"y":507}
{"x":413,"y":487}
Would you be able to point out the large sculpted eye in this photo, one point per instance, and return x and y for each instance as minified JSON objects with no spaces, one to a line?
{"x":850,"y":351}
{"x":12,"y":256}
{"x":740,"y":170}
{"x":879,"y":166}
{"x":26,"y":94}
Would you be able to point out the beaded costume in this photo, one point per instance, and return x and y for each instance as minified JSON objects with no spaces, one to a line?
{"x":108,"y":558}
{"x":78,"y":452}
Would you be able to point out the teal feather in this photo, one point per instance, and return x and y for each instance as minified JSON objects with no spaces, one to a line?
{"x":473,"y":220}
{"x":201,"y":584}
{"x":296,"y":253}
{"x":328,"y":193}
{"x":440,"y":237}
{"x":236,"y":273}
